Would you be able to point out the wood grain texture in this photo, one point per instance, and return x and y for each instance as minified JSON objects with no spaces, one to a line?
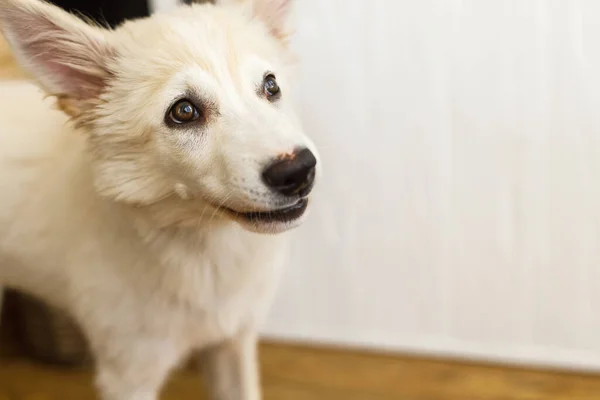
{"x":301,"y":373}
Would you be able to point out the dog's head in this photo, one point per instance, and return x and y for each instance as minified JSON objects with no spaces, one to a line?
{"x":194,"y":104}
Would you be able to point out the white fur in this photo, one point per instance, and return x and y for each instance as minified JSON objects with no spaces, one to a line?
{"x":116,"y":218}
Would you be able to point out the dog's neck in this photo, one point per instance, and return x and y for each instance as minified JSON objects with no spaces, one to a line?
{"x":190,"y":243}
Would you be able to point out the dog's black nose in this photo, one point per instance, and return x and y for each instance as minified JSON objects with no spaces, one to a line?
{"x":292,"y":174}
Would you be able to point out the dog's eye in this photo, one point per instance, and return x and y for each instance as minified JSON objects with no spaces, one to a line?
{"x":184,"y":112}
{"x":271,"y":88}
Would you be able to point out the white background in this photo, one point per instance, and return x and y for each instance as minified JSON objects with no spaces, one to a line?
{"x":460,"y":207}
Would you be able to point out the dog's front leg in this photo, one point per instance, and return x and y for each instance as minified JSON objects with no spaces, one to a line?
{"x":231,"y":369}
{"x":133,"y":370}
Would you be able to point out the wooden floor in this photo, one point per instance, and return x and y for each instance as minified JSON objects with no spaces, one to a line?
{"x":295,"y":373}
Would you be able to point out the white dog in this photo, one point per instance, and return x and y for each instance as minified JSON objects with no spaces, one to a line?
{"x":152,"y":205}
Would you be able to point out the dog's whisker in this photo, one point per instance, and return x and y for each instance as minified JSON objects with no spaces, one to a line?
{"x":220,"y":206}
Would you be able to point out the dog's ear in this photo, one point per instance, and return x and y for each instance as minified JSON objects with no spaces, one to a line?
{"x":274,"y":13}
{"x":67,"y":56}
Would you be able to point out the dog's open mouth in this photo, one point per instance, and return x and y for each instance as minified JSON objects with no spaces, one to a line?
{"x":282,"y":215}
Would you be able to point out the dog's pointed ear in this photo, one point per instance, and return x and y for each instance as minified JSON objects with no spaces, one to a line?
{"x":67,"y":56}
{"x":274,"y":13}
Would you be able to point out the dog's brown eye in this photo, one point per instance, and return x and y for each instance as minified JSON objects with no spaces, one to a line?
{"x":271,"y":88}
{"x":183,"y":112}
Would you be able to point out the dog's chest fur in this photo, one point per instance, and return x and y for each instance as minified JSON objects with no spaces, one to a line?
{"x":213,"y":283}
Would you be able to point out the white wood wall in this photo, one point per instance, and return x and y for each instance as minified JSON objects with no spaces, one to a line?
{"x":459,"y":213}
